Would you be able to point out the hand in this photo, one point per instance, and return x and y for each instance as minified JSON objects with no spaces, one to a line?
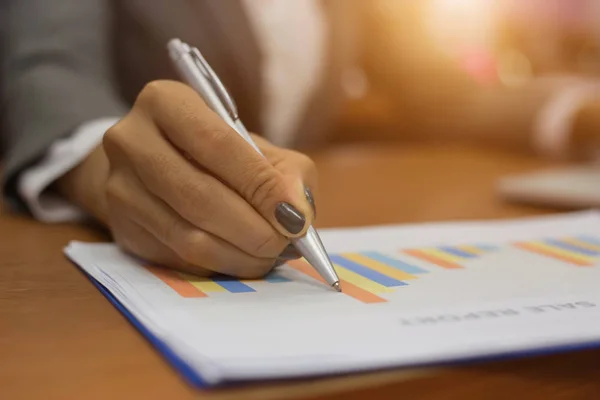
{"x":178,"y":187}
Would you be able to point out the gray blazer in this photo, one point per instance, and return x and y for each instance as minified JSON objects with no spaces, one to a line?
{"x":71,"y":61}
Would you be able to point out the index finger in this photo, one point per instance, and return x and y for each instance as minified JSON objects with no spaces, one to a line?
{"x":195,"y":129}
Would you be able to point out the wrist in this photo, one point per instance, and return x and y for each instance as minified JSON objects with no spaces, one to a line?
{"x":83,"y":185}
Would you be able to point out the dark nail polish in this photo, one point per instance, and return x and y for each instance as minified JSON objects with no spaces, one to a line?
{"x":290,"y":218}
{"x":311,"y":200}
{"x":289,"y":253}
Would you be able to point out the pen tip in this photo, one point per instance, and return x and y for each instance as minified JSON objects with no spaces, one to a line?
{"x":337,"y":286}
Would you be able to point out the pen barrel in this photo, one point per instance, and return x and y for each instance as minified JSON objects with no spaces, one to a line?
{"x":191,"y":73}
{"x":243,"y":132}
{"x":312,"y":249}
{"x":193,"y":76}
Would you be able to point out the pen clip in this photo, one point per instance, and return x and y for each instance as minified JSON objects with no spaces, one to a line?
{"x":216,"y":83}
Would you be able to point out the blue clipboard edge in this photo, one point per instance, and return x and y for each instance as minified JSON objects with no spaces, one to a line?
{"x":194,"y":379}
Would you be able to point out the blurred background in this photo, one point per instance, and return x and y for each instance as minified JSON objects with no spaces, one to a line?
{"x":513,"y":41}
{"x":495,"y":43}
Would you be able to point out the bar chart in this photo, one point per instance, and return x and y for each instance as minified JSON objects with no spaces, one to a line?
{"x":368,"y":275}
{"x":364,"y":276}
{"x":450,"y":257}
{"x":582,"y":251}
{"x":192,"y":286}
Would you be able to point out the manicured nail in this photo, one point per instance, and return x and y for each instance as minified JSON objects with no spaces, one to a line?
{"x":289,"y":253}
{"x":290,"y":218}
{"x":311,"y":200}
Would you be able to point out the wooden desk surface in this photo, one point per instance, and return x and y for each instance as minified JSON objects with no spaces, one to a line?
{"x":60,"y":338}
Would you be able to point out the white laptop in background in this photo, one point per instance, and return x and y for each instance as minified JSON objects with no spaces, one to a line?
{"x":567,"y":187}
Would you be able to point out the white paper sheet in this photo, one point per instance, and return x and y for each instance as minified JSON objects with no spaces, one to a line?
{"x":454,"y":291}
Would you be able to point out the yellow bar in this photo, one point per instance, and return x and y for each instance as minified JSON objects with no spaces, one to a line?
{"x":443,"y":255}
{"x":564,"y":253}
{"x":204,"y":284}
{"x":360,"y":281}
{"x":471,"y":250}
{"x":581,"y":243}
{"x":378,"y":266}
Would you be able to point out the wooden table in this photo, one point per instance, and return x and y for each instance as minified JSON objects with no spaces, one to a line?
{"x":61,"y":339}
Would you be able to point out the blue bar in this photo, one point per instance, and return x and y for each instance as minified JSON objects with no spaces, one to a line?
{"x":572,"y":247}
{"x":232,"y":285}
{"x":589,"y":239}
{"x":457,"y":252}
{"x":274,"y":277}
{"x":366,"y":272}
{"x":394,"y":263}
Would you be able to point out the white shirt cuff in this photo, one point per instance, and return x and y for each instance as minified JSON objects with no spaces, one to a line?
{"x":63,"y":155}
{"x":554,"y":123}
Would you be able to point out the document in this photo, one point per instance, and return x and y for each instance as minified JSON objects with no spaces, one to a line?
{"x":412,"y":295}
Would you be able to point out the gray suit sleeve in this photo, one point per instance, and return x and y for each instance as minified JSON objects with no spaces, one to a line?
{"x":57,"y":75}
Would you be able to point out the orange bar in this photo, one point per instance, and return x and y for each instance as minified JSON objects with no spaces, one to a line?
{"x":432,"y":259}
{"x":360,"y":294}
{"x":347,"y":287}
{"x":548,"y":253}
{"x":302,"y":266}
{"x":181,"y":286}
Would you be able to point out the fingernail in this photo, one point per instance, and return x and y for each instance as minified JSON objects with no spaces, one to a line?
{"x":290,"y":218}
{"x":289,"y":253}
{"x":311,"y":200}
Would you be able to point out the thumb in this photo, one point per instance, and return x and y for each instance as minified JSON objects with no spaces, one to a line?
{"x":300,"y":172}
{"x":296,"y":213}
{"x":280,"y":198}
{"x":293,"y":179}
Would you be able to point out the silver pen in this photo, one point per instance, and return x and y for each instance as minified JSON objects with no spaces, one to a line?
{"x":194,"y":69}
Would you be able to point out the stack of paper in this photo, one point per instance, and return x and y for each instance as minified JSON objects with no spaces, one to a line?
{"x":417,"y":294}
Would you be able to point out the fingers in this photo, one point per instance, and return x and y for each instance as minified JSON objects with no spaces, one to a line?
{"x":198,"y":197}
{"x":188,"y":247}
{"x":135,"y":239}
{"x":188,"y":123}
